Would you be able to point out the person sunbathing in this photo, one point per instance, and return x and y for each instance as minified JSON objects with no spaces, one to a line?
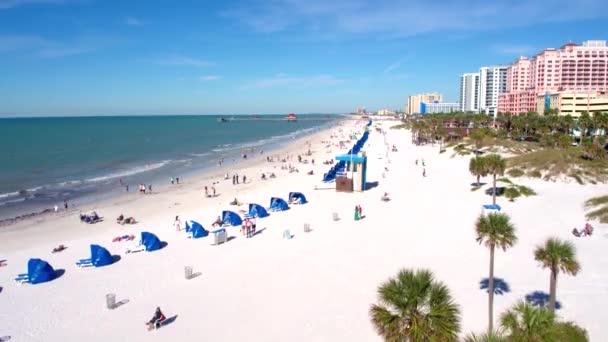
{"x":129,"y":220}
{"x":120,"y":218}
{"x":235,"y":202}
{"x":59,"y":248}
{"x":385,"y":197}
{"x":156,"y":321}
{"x":217,"y":223}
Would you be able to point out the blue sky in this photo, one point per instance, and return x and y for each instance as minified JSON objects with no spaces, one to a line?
{"x":101,"y":57}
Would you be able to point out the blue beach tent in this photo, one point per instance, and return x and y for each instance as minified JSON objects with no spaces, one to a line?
{"x":198,"y":231}
{"x":100,"y":256}
{"x":297,"y":197}
{"x":230,"y":218}
{"x":39,"y":271}
{"x":278,"y":204}
{"x":150,"y":241}
{"x":256,"y":210}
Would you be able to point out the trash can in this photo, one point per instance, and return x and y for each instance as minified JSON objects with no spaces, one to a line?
{"x":188,"y":272}
{"x":307,"y":227}
{"x":219,"y":236}
{"x":111,"y":301}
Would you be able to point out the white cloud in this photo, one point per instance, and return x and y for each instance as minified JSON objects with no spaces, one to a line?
{"x":283,"y":80}
{"x":394,"y":66}
{"x":210,"y":78}
{"x":132,"y":21}
{"x":185,"y":61}
{"x":395,"y":18}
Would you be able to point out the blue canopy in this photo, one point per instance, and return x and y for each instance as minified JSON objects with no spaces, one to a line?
{"x":198,"y":231}
{"x":297,"y":197}
{"x":100,"y":256}
{"x":188,"y":228}
{"x":492,"y":207}
{"x":39,"y":271}
{"x":150,"y":241}
{"x":278,"y":204}
{"x":231,"y":218}
{"x":256,"y":210}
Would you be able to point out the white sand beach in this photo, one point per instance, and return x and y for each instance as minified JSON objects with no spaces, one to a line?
{"x":317,"y":286}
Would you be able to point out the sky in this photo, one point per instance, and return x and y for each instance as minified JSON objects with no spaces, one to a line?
{"x":104,"y":57}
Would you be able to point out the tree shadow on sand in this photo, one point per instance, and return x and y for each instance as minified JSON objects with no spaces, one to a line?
{"x":541,"y":299}
{"x":500,"y":286}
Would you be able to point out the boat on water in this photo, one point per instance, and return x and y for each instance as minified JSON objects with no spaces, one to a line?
{"x":291,"y":117}
{"x":223,"y":119}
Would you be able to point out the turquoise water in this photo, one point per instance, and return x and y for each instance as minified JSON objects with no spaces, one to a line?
{"x":46,"y":161}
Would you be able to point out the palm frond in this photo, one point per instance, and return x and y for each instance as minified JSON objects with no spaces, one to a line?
{"x":593,"y":202}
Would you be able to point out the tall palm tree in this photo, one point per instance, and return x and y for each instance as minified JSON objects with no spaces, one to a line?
{"x":494,"y":230}
{"x":495,"y":166}
{"x":413,"y":306}
{"x":477,"y":167}
{"x":525,"y":322}
{"x":557,"y":255}
{"x":584,"y":122}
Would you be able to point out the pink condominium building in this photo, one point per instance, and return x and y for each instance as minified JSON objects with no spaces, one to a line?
{"x":571,"y":68}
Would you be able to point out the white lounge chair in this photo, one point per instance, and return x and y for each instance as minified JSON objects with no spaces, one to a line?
{"x":23,"y":278}
{"x":134,"y":249}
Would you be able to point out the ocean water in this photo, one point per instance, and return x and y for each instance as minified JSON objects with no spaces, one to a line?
{"x":45,"y":161}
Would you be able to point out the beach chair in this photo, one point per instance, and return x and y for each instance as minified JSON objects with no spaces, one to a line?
{"x":134,"y":249}
{"x":23,"y":278}
{"x":84,"y":263}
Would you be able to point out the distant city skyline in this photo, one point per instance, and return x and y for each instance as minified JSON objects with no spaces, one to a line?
{"x":88,"y":57}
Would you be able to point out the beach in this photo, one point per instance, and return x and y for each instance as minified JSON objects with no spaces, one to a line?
{"x":316,"y":286}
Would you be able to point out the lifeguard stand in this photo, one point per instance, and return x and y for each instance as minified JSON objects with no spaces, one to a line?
{"x":355,"y":177}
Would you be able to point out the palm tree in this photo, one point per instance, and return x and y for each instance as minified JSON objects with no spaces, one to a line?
{"x":525,"y":322}
{"x":600,"y":208}
{"x":485,"y":337}
{"x":528,"y":323}
{"x":494,"y":230}
{"x":495,"y":165}
{"x":477,"y":167}
{"x":557,"y":256}
{"x":584,"y":121}
{"x":414,"y":306}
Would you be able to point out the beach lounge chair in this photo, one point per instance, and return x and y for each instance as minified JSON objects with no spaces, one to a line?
{"x":23,"y":278}
{"x":135,"y":249}
{"x":84,"y":263}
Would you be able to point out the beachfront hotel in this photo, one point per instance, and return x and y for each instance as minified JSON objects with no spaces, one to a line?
{"x":577,"y":72}
{"x":469,"y":92}
{"x":439,"y":107}
{"x":414,"y":102}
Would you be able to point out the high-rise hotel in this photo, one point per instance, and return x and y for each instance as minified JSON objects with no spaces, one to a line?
{"x":575,"y":70}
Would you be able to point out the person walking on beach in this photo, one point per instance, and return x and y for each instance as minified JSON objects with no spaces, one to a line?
{"x":423,"y":172}
{"x":206,"y":191}
{"x":253,"y":225}
{"x":177,"y":180}
{"x":248,"y":227}
{"x":65,"y":205}
{"x":213,"y":190}
{"x":172,"y":180}
{"x":177,"y":224}
{"x":127,"y":187}
{"x":244,"y":179}
{"x":237,"y":178}
{"x":150,"y":188}
{"x":416,"y":162}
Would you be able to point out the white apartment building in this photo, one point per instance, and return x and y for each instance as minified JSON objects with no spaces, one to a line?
{"x":492,"y":82}
{"x":469,"y":92}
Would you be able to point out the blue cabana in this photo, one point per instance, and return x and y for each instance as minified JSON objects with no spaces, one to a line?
{"x":256,"y":210}
{"x":490,"y":208}
{"x":278,"y":204}
{"x":297,"y":197}
{"x":150,"y":241}
{"x":230,"y":218}
{"x":100,"y":256}
{"x":39,"y":271}
{"x":198,"y":231}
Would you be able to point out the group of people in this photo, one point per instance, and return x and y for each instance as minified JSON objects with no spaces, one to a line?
{"x":248,"y":227}
{"x":142,"y":188}
{"x":207,"y":193}
{"x":174,"y":180}
{"x":587,"y":231}
{"x":423,"y":167}
{"x":358,"y":212}
{"x":122,"y":220}
{"x":92,"y":218}
{"x":235,"y":179}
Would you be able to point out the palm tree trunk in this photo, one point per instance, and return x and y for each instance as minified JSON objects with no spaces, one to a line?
{"x":553,"y":288}
{"x":491,"y":292}
{"x":478,"y":180}
{"x":494,"y":189}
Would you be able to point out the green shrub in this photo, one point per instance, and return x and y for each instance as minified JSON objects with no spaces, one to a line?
{"x":535,"y":174}
{"x":515,"y":172}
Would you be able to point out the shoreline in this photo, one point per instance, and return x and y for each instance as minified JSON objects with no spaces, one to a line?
{"x":90,"y":202}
